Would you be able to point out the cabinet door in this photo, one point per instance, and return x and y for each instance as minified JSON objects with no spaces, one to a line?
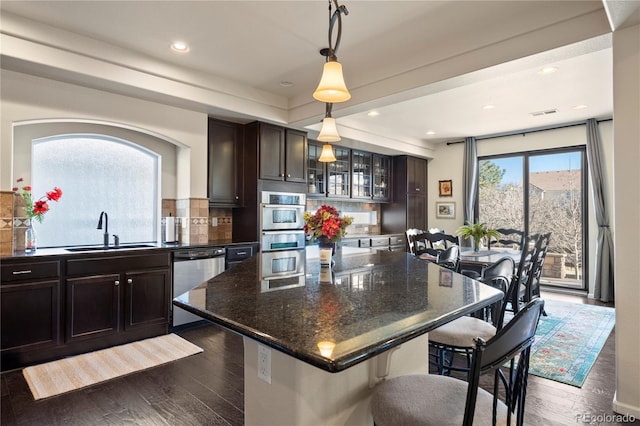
{"x":224,"y":143}
{"x":381,"y":177}
{"x":316,"y":171}
{"x":295,"y":156}
{"x":30,"y":315}
{"x":147,"y":298}
{"x":271,"y":147}
{"x":360,"y":174}
{"x":338,"y":185}
{"x":93,"y":306}
{"x":416,"y":175}
{"x":416,"y":211}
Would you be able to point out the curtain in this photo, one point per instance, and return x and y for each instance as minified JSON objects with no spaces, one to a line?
{"x":470,"y":178}
{"x":604,"y":277}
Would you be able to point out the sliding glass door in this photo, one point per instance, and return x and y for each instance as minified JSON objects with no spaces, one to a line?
{"x":540,"y":192}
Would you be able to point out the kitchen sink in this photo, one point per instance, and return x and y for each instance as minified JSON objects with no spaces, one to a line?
{"x":101,"y":248}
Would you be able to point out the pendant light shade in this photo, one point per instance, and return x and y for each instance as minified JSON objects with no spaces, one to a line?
{"x":332,"y":88}
{"x":327,"y":156}
{"x":329,"y":130}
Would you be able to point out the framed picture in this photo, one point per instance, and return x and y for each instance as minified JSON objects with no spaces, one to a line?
{"x":446,"y":210}
{"x":446,"y":278}
{"x":446,"y":188}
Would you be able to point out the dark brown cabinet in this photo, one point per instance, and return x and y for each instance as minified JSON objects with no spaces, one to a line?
{"x":281,"y":152}
{"x":30,"y":310}
{"x":224,"y":153}
{"x":117,"y":294}
{"x":52,"y":309}
{"x":356,"y":174}
{"x":416,"y":176}
{"x":409,"y":206}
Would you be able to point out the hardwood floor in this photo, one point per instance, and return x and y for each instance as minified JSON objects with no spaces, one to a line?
{"x":207,"y":389}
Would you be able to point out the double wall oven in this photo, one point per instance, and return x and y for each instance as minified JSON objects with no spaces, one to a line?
{"x":282,"y":239}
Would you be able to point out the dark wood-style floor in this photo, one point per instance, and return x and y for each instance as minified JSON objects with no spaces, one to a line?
{"x":207,"y":389}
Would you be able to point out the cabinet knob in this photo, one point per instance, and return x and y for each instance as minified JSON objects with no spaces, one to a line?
{"x":129,"y":281}
{"x":116,"y":282}
{"x":237,"y":198}
{"x":288,"y":174}
{"x":417,"y":189}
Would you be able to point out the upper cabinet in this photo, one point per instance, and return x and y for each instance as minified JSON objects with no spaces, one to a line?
{"x":356,"y":174}
{"x":281,"y":152}
{"x":381,"y":180}
{"x":338,"y":173}
{"x":361,"y":174}
{"x":416,"y":175}
{"x":225,"y":149}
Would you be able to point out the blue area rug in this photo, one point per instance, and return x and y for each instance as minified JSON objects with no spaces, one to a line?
{"x":569,"y":340}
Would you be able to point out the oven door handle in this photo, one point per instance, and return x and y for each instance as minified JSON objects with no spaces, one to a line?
{"x":282,"y":275}
{"x":288,"y":232}
{"x":284,"y":206}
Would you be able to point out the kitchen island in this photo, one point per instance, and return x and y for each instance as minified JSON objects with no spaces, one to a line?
{"x":336,"y":332}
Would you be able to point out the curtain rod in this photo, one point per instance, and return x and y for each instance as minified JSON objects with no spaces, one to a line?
{"x":532,"y":130}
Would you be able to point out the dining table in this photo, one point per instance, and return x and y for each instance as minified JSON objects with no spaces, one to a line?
{"x":317,"y":342}
{"x":475,"y":261}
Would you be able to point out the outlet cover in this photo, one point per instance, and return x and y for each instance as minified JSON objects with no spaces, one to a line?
{"x":264,"y":364}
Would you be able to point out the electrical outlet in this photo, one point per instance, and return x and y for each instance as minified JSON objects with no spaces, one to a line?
{"x":214,"y":221}
{"x":264,"y":363}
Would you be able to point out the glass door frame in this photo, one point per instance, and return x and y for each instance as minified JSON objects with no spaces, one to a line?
{"x":584,"y":180}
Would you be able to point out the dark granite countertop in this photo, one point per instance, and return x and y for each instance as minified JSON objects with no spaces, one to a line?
{"x":57,"y":252}
{"x":374,"y":300}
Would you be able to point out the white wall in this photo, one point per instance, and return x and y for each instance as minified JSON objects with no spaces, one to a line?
{"x":626,"y":152}
{"x":26,"y":98}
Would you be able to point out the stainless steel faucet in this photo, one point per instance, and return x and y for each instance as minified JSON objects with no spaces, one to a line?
{"x":106,"y":228}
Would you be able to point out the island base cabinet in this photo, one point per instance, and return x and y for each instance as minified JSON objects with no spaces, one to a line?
{"x":301,"y":394}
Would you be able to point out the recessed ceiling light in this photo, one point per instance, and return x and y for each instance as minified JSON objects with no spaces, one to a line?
{"x":373,"y":113}
{"x":547,"y":70}
{"x":488,"y":107}
{"x":179,"y":46}
{"x":581,"y":106}
{"x":286,"y":84}
{"x":430,"y":132}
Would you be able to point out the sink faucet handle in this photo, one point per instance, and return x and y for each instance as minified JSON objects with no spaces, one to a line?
{"x":116,"y":240}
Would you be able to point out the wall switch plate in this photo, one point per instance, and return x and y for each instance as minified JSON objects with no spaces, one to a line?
{"x":214,"y":221}
{"x":264,"y":364}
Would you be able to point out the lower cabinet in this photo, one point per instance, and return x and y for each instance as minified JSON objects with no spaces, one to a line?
{"x":94,"y":303}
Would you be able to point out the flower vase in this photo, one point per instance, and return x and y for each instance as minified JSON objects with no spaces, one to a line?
{"x":30,"y":238}
{"x":327,"y":251}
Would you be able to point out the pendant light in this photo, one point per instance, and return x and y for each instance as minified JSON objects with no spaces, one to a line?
{"x":332,"y":87}
{"x":328,"y":133}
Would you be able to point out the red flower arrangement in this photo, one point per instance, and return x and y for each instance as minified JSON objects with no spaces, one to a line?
{"x":326,"y":222}
{"x":37,"y":209}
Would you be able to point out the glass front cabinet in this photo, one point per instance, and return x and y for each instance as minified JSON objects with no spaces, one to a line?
{"x":361,"y":174}
{"x":355,"y":174}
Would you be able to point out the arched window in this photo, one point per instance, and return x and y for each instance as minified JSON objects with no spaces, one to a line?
{"x":96,"y":173}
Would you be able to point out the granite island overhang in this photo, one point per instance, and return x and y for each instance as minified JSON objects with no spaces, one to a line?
{"x":367,"y":305}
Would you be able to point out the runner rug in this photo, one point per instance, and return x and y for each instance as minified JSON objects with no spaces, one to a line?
{"x":56,"y":377}
{"x":569,"y":340}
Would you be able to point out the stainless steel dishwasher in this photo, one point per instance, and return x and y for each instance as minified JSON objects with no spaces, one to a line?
{"x":191,"y":268}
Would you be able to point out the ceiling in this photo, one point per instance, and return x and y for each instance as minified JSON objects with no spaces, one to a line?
{"x":421,"y":65}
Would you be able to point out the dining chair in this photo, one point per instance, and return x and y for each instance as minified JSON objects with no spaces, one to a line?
{"x":542,"y":247}
{"x":525,"y":272}
{"x":509,"y":237}
{"x":449,"y":258}
{"x":457,"y":337}
{"x":430,"y":399}
{"x":409,"y":233}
